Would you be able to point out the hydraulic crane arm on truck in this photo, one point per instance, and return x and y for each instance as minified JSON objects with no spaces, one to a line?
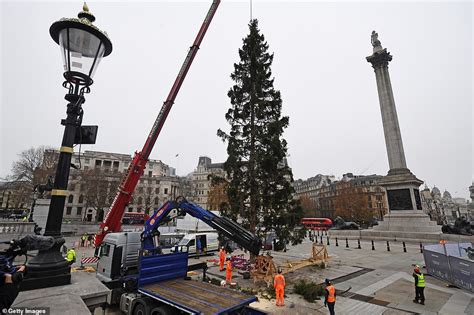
{"x":160,"y":284}
{"x":227,"y":227}
{"x":112,"y":221}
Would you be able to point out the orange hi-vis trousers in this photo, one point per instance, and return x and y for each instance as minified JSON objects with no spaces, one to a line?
{"x":228,"y":272}
{"x":280,"y":295}
{"x":221,"y":259}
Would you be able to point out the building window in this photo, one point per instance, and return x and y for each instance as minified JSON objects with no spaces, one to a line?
{"x":150,"y":173}
{"x":140,"y":189}
{"x":98,"y":163}
{"x":86,"y":168}
{"x":72,"y":187}
{"x":166,"y":191}
{"x":79,"y":211}
{"x":87,"y":161}
{"x":116,"y":165}
{"x":70,"y":199}
{"x":156,"y":201}
{"x":157,"y":190}
{"x":81,"y":199}
{"x":68,"y":210}
{"x":140,"y":200}
{"x":130,"y":209}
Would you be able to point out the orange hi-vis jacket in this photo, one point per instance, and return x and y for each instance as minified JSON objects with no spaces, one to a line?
{"x":222,"y":255}
{"x":229,"y":266}
{"x":279,"y":281}
{"x":332,"y":293}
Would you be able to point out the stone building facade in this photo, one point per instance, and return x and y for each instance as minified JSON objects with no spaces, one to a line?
{"x":15,"y":196}
{"x":201,"y":180}
{"x":357,"y":193}
{"x":443,"y":208}
{"x":310,"y":187}
{"x":93,"y":185}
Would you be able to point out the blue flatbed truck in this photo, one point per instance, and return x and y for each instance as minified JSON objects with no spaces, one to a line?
{"x":162,"y":286}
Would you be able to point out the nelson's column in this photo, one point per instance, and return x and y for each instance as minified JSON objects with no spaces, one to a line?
{"x":404,"y":204}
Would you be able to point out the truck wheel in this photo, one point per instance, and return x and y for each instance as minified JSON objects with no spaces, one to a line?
{"x":139,"y":309}
{"x":163,"y":310}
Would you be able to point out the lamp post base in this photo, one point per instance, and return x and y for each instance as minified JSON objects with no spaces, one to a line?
{"x":47,"y":269}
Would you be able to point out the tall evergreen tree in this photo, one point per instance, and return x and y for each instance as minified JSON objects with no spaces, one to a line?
{"x":260,"y":191}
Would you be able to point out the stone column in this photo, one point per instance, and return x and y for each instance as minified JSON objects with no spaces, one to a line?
{"x":393,"y":138}
{"x":400,"y":184}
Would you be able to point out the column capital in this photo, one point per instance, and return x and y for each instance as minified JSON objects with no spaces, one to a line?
{"x":380,"y":58}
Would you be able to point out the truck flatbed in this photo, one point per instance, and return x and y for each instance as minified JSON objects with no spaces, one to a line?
{"x":197,"y":297}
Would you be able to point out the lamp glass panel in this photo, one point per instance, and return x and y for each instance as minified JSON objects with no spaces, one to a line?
{"x":83,"y":48}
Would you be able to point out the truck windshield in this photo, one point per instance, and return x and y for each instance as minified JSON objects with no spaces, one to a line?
{"x":104,"y":250}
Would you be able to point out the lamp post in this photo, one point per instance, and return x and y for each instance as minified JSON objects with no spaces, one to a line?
{"x":83,"y":46}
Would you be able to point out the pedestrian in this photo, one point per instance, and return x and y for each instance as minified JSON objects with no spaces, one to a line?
{"x":222,"y":254}
{"x":198,"y":246}
{"x":279,"y":285}
{"x":228,"y":271}
{"x":71,"y":256}
{"x":89,"y":240}
{"x":419,"y":285}
{"x":330,"y":298}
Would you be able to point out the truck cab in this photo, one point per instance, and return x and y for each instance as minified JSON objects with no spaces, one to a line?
{"x":118,"y":256}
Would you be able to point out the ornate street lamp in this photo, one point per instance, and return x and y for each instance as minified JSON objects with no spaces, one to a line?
{"x":83,"y":46}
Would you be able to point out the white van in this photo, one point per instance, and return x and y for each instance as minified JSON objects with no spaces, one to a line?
{"x":208,"y":241}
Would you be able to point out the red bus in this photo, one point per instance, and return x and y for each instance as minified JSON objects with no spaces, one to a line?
{"x":316,"y":223}
{"x":135,"y":218}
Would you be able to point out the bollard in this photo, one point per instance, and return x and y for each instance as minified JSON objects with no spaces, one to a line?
{"x":421,"y":248}
{"x":373,"y":247}
{"x":315,"y":239}
{"x":327,"y":238}
{"x":358,"y":244}
{"x":347,"y":243}
{"x":404,"y":248}
{"x":336,"y":242}
{"x":321,"y":239}
{"x":388,"y":246}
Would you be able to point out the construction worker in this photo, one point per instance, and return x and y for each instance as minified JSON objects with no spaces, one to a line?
{"x":330,"y":298}
{"x":228,"y":271}
{"x":71,"y":256}
{"x":222,"y":254}
{"x":419,"y":285}
{"x":279,"y":285}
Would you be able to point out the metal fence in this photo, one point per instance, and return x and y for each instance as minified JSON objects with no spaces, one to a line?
{"x":451,"y":263}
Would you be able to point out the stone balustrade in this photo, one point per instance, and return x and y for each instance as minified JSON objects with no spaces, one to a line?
{"x":19,"y":228}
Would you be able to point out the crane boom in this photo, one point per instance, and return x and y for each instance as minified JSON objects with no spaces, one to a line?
{"x":112,"y":221}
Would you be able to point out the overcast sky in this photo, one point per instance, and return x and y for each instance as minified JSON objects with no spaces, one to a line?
{"x":327,"y":86}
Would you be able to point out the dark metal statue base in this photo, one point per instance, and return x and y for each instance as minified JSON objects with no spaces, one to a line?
{"x":47,"y":269}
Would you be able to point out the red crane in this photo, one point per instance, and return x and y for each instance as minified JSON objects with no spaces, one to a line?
{"x":112,"y":221}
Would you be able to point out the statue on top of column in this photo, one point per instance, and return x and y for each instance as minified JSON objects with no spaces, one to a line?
{"x":374,"y":38}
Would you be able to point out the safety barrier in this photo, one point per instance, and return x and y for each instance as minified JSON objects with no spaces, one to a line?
{"x":450,"y":262}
